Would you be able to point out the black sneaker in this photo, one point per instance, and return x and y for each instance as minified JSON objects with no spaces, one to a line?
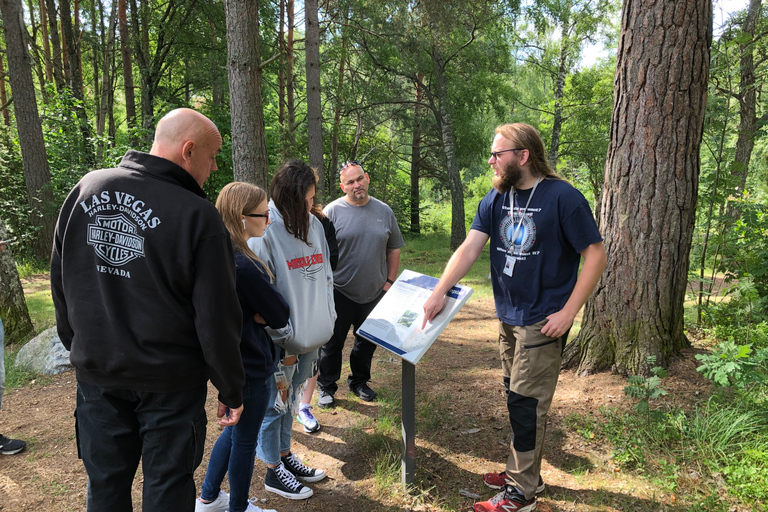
{"x":363,"y":392}
{"x":325,"y":399}
{"x":11,"y":446}
{"x":282,"y":482}
{"x":293,"y":464}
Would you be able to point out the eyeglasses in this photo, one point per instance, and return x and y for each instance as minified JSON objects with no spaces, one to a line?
{"x":495,"y":154}
{"x":265,"y":215}
{"x":348,"y":163}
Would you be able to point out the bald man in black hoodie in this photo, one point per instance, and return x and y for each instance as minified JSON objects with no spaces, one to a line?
{"x":143,"y":281}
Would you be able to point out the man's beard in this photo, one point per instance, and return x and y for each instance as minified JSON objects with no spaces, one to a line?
{"x":510,"y":176}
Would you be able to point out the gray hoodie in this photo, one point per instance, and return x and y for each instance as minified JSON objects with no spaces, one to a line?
{"x":303,"y":276}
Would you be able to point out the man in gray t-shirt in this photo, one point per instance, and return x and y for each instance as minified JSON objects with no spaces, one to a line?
{"x":369,"y":257}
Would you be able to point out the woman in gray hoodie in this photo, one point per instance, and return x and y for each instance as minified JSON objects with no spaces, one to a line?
{"x":296,"y":252}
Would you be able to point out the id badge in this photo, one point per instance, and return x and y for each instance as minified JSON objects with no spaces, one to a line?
{"x":509,"y":266}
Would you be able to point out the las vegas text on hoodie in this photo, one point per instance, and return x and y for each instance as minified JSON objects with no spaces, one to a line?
{"x":143,"y":282}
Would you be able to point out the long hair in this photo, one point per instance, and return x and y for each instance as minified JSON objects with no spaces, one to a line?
{"x":234,"y":200}
{"x":289,"y":189}
{"x":525,"y":136}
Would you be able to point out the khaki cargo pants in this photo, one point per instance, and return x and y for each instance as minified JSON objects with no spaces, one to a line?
{"x":531,"y":365}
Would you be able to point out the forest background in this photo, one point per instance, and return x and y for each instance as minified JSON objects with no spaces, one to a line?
{"x":414,"y":90}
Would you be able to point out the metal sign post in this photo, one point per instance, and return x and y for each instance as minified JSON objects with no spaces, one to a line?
{"x":408,"y":461}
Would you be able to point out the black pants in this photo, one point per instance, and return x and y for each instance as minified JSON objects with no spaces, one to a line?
{"x":117,"y":427}
{"x":348,"y":313}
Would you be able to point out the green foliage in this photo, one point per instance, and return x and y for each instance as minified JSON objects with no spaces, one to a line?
{"x":17,"y":377}
{"x":747,"y":475}
{"x":735,"y":365}
{"x":646,"y":388}
{"x":14,"y":208}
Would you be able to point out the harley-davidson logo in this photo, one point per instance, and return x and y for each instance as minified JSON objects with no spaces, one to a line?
{"x":114,"y":238}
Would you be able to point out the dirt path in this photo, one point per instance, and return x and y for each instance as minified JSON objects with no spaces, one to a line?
{"x":460,"y":380}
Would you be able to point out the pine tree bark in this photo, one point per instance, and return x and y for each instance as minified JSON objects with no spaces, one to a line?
{"x":650,"y":188}
{"x":13,"y":306}
{"x":747,"y":97}
{"x":416,"y":164}
{"x":34,"y":158}
{"x":76,"y":79}
{"x":314,"y":105}
{"x":249,"y":145}
{"x":458,"y":227}
{"x":4,"y":94}
{"x":338,"y":102}
{"x":125,"y":52}
{"x":53,"y":28}
{"x":290,"y":104}
{"x":46,"y":42}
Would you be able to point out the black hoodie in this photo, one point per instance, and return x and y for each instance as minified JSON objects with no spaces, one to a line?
{"x":143,"y":281}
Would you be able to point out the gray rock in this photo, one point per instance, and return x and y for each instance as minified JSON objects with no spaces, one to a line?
{"x":45,"y":354}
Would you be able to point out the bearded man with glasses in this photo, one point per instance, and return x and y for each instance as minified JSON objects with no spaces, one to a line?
{"x":540,"y":227}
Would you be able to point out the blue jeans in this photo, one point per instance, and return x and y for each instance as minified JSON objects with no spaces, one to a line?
{"x":275,"y":434}
{"x":235,"y":450}
{"x":115,"y":428}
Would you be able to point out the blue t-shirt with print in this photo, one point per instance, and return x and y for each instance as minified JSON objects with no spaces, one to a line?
{"x":556,"y":227}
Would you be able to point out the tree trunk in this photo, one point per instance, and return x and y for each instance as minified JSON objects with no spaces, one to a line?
{"x":314,"y":105}
{"x":338,"y":103}
{"x":125,"y":52}
{"x":416,"y":164}
{"x":76,"y":79}
{"x":64,"y":52}
{"x":747,"y":100}
{"x":13,"y":307}
{"x":46,"y":42}
{"x":4,"y":94}
{"x":217,"y":96}
{"x":106,"y":80}
{"x":458,"y":227}
{"x":53,"y":26}
{"x":77,"y":49}
{"x":34,"y":158}
{"x":651,"y":185}
{"x":98,"y":45}
{"x":37,"y":60}
{"x":557,"y":118}
{"x":290,"y":130}
{"x":281,"y":66}
{"x":249,"y":145}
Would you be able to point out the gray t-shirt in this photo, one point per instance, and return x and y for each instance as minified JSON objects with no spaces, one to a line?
{"x":364,"y":234}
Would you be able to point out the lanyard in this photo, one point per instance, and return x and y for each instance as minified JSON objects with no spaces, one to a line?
{"x":525,"y":210}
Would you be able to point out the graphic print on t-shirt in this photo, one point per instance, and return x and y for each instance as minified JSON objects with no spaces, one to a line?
{"x":525,"y":236}
{"x":308,"y":266}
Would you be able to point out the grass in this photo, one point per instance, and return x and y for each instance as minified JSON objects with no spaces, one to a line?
{"x":428,"y":254}
{"x":16,"y":377}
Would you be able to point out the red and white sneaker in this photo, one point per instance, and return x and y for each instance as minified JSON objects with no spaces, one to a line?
{"x":499,"y":480}
{"x":508,"y":500}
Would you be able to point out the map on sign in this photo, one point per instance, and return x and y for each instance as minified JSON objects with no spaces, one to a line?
{"x":395,"y":323}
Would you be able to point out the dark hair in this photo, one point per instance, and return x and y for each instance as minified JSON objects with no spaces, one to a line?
{"x":288,"y":190}
{"x":525,"y":136}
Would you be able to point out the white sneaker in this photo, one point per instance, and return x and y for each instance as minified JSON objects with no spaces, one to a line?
{"x":220,"y":504}
{"x":254,"y":508}
{"x":306,"y":418}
